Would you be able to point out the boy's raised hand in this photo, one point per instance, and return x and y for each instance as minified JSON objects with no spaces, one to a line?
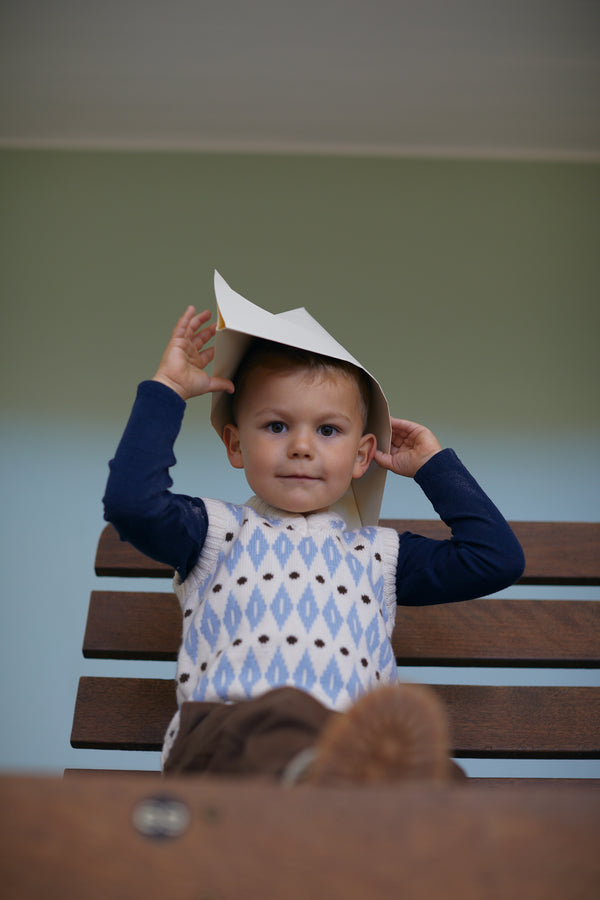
{"x":412,"y":445}
{"x":183,"y":363}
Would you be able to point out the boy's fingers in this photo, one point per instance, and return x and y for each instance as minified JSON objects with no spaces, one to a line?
{"x":200,"y":317}
{"x":221,"y":384}
{"x":202,"y":337}
{"x":383,"y":459}
{"x":191,"y":318}
{"x":205,"y":356}
{"x":183,"y":322}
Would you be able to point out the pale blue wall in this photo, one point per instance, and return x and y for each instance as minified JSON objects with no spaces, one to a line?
{"x":470,"y":289}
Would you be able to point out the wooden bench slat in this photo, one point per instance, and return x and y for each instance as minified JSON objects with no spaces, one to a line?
{"x":523,"y":721}
{"x":474,"y":781}
{"x":561,"y":553}
{"x":132,"y":625}
{"x":487,"y":721}
{"x":117,"y":557}
{"x":494,"y":783}
{"x":145,"y":625}
{"x":556,"y":552}
{"x":490,"y":632}
{"x":76,"y":838}
{"x":122,"y":713}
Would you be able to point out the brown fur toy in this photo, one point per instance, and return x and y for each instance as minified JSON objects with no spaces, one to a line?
{"x":395,"y":733}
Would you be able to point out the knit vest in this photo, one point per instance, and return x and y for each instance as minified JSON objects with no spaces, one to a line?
{"x":283,"y":599}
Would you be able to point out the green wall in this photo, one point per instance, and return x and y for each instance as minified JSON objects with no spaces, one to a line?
{"x":470,"y":288}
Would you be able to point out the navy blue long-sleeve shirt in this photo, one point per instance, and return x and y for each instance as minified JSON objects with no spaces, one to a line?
{"x":481,"y":557}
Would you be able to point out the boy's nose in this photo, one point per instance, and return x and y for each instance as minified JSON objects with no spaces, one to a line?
{"x":300,"y":445}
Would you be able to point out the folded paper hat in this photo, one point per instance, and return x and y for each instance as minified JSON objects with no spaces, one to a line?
{"x":238,"y":322}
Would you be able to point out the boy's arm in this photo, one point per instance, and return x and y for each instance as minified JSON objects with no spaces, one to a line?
{"x":168,"y":527}
{"x":483,"y":554}
{"x":165,"y":526}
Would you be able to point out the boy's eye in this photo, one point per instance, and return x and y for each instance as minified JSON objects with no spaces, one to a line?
{"x":276,"y":427}
{"x":327,"y":430}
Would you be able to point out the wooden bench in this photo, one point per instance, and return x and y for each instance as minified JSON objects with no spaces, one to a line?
{"x":488,"y":721}
{"x":125,"y":834}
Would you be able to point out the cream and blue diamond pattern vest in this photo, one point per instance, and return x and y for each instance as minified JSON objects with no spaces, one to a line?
{"x":280,"y":599}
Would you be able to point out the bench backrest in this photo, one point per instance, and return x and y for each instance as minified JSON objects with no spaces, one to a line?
{"x":488,"y":721}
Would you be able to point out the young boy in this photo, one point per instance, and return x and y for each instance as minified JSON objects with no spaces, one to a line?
{"x":286,"y":666}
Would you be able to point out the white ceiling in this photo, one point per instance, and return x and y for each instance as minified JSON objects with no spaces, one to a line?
{"x":499,"y":78}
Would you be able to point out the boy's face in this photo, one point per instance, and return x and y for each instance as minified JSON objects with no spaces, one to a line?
{"x":299,"y":438}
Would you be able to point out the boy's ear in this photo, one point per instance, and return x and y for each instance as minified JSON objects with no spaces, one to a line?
{"x":231,"y":439}
{"x":366,"y":451}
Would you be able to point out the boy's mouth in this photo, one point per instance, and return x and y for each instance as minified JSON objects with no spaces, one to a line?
{"x":300,"y":476}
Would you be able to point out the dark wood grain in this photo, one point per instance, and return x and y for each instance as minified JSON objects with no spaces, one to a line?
{"x":122,"y":713}
{"x":251,"y":840}
{"x":555,"y":552}
{"x":147,"y":625}
{"x":132,"y":625}
{"x":493,"y":782}
{"x":537,"y":722}
{"x":494,"y":632}
{"x":487,"y":721}
{"x":117,"y":557}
